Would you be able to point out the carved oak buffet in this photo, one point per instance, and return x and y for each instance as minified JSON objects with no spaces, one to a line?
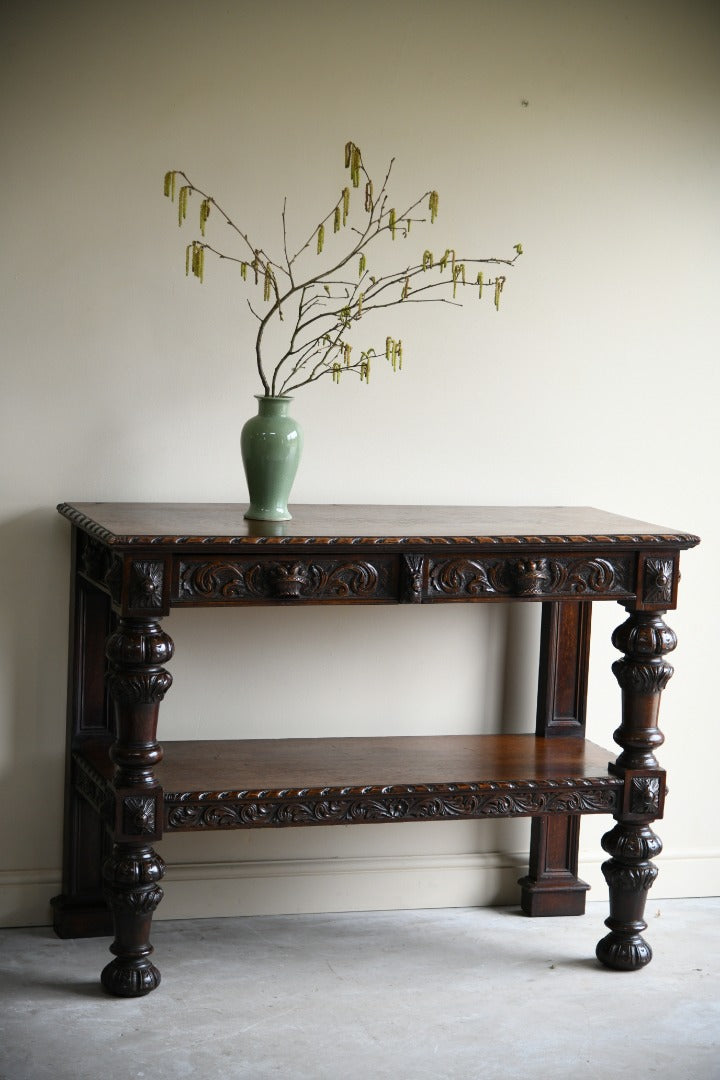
{"x":132,"y":563}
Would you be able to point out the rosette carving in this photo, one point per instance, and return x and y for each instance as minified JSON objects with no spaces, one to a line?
{"x":146,"y":585}
{"x":658,"y":581}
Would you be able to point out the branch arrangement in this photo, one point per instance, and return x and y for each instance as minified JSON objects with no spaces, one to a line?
{"x":321,"y":308}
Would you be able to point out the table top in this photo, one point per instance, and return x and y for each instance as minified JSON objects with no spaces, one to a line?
{"x":223,"y":524}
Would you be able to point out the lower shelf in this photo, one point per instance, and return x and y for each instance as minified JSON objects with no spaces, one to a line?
{"x":263,"y":783}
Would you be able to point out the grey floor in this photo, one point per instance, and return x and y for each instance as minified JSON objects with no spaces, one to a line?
{"x":478,"y":994}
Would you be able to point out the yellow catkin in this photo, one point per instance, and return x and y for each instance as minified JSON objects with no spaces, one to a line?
{"x":243,"y":270}
{"x":169,"y":185}
{"x":518,"y":248}
{"x":320,"y":238}
{"x":346,"y":203}
{"x":499,"y":282}
{"x":363,"y":264}
{"x":267,"y":284}
{"x":348,"y":153}
{"x":355,"y":163}
{"x":480,"y":283}
{"x":388,"y":348}
{"x":427,"y":263}
{"x":359,"y":305}
{"x":406,"y":288}
{"x":204,"y":214}
{"x":336,"y":220}
{"x":347,"y":349}
{"x":433,"y":205}
{"x":399,"y":354}
{"x":391,"y":223}
{"x":187,"y":259}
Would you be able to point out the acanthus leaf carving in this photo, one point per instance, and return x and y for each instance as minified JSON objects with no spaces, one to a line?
{"x":224,"y":580}
{"x":530,"y":577}
{"x":412,"y":805}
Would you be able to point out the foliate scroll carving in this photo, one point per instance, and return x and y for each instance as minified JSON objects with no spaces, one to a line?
{"x":658,"y":581}
{"x":530,"y":577}
{"x":324,"y":579}
{"x":146,"y":585}
{"x":496,"y":801}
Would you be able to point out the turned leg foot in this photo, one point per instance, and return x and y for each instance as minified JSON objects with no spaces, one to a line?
{"x":629,"y":874}
{"x":133,"y":892}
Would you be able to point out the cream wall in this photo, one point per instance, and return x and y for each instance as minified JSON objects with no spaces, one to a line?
{"x":596,"y":384}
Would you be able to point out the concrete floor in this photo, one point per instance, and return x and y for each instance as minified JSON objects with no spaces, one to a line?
{"x":477,"y":994}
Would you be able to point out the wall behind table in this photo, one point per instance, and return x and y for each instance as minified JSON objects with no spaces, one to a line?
{"x":589,"y":133}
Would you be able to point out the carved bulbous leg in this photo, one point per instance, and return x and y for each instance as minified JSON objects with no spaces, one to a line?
{"x":643,"y":674}
{"x":131,"y":875}
{"x":629,"y":874}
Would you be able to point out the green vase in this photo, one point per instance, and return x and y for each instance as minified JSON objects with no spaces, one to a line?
{"x":271,"y":444}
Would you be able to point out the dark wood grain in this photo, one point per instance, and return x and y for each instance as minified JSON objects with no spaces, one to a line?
{"x":354,"y":765}
{"x":223,"y":523}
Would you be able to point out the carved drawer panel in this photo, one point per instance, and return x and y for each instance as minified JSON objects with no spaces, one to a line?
{"x":465,"y":577}
{"x":203,"y":581}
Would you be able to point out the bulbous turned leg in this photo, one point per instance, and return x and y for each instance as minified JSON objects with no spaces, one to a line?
{"x":629,"y":874}
{"x":131,"y":878}
{"x":132,"y":873}
{"x":642,"y":674}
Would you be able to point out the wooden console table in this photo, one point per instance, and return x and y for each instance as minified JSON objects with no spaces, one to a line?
{"x":132,"y":563}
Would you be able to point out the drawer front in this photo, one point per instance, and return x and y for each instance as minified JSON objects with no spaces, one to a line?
{"x":557,"y":577}
{"x":277,"y":580}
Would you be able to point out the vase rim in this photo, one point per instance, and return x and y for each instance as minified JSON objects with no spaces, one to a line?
{"x":274,"y":397}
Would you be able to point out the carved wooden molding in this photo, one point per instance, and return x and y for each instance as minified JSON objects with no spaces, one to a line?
{"x":217,"y":810}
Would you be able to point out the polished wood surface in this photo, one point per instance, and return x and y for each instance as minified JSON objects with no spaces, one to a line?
{"x":293,"y":766}
{"x":177,"y":523}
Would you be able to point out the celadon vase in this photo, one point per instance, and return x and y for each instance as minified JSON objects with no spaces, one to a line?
{"x":271,"y":445}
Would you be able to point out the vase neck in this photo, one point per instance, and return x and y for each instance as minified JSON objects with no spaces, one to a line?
{"x":273,"y":406}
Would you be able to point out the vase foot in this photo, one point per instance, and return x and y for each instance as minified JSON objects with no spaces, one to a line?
{"x":253,"y":514}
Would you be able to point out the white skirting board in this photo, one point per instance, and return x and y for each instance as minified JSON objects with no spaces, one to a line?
{"x":294,"y":886}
